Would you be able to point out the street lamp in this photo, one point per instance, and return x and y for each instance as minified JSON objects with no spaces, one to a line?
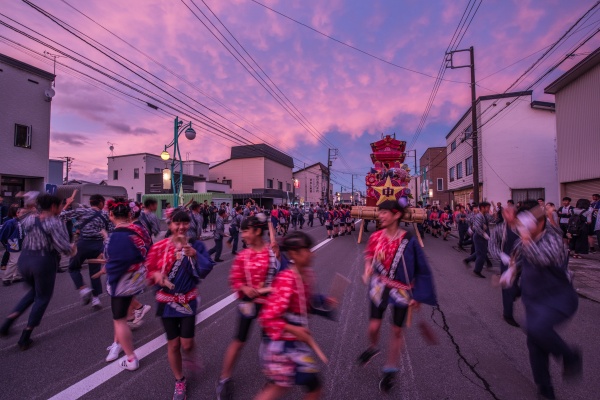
{"x":190,"y":134}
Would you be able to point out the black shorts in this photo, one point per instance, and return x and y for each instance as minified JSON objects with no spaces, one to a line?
{"x":120,"y":306}
{"x":446,"y":228}
{"x":244,"y":325}
{"x":183,"y":327}
{"x":398,"y":313}
{"x":328,"y":227}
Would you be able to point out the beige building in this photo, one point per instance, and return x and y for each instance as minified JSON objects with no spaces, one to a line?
{"x":25,"y":98}
{"x":577,"y":94}
{"x":312,"y":184}
{"x":256,"y":171}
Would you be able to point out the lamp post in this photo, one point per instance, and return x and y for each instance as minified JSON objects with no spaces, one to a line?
{"x":190,"y":134}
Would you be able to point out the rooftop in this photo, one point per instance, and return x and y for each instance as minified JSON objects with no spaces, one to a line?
{"x":490,"y":97}
{"x":574,"y":73}
{"x":259,"y":150}
{"x":26,"y":67}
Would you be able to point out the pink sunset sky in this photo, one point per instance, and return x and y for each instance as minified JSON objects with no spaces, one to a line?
{"x":347,"y":99}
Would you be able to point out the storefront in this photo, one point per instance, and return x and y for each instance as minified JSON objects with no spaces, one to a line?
{"x":464,"y":195}
{"x":13,"y":186}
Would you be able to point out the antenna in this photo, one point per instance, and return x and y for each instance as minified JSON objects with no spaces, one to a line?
{"x":111,"y":147}
{"x":53,"y":56}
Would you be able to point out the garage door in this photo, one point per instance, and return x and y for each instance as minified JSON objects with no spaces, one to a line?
{"x":582,"y":189}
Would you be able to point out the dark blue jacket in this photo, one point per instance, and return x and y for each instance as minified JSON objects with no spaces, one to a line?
{"x":419,"y":272}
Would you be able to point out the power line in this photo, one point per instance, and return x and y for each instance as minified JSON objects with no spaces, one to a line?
{"x":453,"y":44}
{"x":236,"y":138}
{"x":349,"y":45}
{"x":255,"y":75}
{"x":169,"y":70}
{"x":319,"y":135}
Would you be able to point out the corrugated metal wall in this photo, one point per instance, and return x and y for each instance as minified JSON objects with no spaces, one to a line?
{"x":578,"y":128}
{"x":582,"y":189}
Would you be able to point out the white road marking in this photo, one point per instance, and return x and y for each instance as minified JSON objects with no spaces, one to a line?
{"x":99,"y":377}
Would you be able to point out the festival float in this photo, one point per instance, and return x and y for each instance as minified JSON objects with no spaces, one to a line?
{"x":388,"y":179}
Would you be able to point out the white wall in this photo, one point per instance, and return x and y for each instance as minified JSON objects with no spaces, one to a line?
{"x":205,"y":187}
{"x":146,"y":163}
{"x":245,"y":174}
{"x":196,"y":168}
{"x":24,"y":103}
{"x":279,"y":173}
{"x":304,"y":177}
{"x":519,"y":152}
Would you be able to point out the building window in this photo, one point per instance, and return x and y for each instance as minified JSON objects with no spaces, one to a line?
{"x":136,"y":173}
{"x":528,"y":194}
{"x":468,"y":133}
{"x":453,"y":145}
{"x":138,"y":197}
{"x":115,"y":175}
{"x":226,"y":182}
{"x":440,"y":184}
{"x":451,"y":174}
{"x":469,"y":164}
{"x":288,"y":187}
{"x":280,"y":185}
{"x":269,"y":183}
{"x":22,"y":136}
{"x":157,"y":170}
{"x":459,"y":170}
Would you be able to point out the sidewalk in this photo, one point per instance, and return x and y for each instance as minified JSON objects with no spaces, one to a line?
{"x":586,"y":276}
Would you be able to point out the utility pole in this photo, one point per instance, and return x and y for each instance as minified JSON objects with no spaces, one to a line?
{"x":352,"y":193}
{"x":305,"y":185}
{"x":474,"y":136}
{"x":331,"y":155}
{"x":69,"y":161}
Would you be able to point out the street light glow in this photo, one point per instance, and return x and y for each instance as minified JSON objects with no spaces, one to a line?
{"x":164,"y":155}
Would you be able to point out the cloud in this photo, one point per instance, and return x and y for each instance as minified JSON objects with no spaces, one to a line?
{"x":122,"y":127}
{"x":345,"y":95}
{"x":75,"y":139}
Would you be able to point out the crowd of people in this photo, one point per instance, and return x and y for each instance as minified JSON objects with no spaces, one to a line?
{"x":533,"y":240}
{"x":274,"y":280}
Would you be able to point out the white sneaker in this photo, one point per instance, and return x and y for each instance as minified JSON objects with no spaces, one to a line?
{"x":86,"y":295}
{"x":113,"y":352}
{"x":96,"y":304}
{"x":138,"y":315}
{"x":129,"y":365}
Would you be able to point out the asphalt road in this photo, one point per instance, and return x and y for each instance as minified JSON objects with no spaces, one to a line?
{"x":478,"y":356}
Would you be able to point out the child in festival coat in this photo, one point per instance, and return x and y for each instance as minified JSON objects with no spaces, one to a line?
{"x":286,"y":351}
{"x":177,"y":267}
{"x":399,"y":275}
{"x":251,"y":276}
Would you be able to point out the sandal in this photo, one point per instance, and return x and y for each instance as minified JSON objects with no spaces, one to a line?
{"x":577,"y":256}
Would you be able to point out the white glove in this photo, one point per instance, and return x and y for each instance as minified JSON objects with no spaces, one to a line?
{"x":505,"y":258}
{"x":486,"y":236}
{"x":507,"y":278}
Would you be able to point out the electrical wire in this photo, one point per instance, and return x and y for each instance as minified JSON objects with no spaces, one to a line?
{"x":349,"y":45}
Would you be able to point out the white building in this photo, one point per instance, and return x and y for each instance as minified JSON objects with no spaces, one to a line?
{"x":312,"y":184}
{"x":25,"y":99}
{"x":130,"y":171}
{"x":257,"y":171}
{"x":577,"y":94}
{"x":517,"y":151}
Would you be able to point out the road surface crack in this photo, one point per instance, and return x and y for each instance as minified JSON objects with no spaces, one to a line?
{"x":472,"y":366}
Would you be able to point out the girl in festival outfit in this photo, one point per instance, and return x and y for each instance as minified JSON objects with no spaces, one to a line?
{"x":434,"y":218}
{"x":286,"y":351}
{"x":45,"y":237}
{"x":399,"y":275}
{"x":329,"y":222}
{"x":252,"y":273}
{"x":125,"y":253}
{"x":445,"y":224}
{"x":177,"y":268}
